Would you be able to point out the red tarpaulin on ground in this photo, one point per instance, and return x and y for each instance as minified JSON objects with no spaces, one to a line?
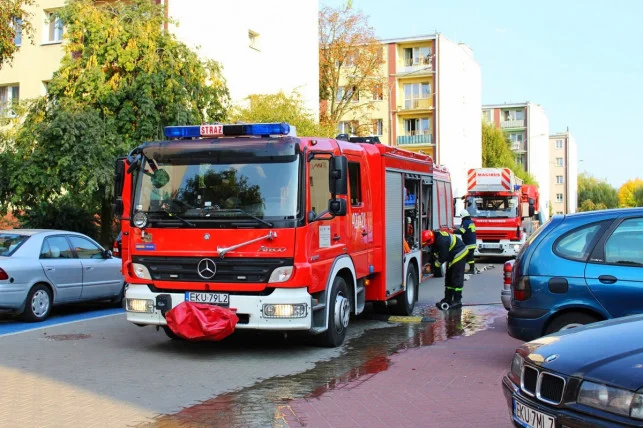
{"x":198,"y":321}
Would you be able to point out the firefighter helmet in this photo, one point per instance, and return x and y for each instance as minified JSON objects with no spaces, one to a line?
{"x":464,"y":213}
{"x":428,"y":237}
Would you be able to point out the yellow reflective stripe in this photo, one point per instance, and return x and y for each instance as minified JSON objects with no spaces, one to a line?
{"x":463,"y":230}
{"x":472,"y":227}
{"x":452,"y":242}
{"x":459,"y":256}
{"x":472,"y":246}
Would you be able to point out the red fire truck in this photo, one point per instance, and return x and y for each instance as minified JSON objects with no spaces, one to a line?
{"x":503,"y":209}
{"x":291,"y":233}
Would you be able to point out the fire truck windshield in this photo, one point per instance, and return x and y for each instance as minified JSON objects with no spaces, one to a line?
{"x":492,"y":206}
{"x":200,"y":192}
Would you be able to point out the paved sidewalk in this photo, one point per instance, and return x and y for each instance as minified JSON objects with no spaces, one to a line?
{"x":452,"y":383}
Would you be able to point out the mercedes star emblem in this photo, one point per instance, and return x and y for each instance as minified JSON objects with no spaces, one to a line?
{"x":206,"y":236}
{"x":206,"y":268}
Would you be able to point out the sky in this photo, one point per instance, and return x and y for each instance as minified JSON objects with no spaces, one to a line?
{"x":581,"y":60}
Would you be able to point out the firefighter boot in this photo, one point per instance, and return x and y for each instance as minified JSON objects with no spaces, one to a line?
{"x":472,"y":268}
{"x":445,"y":303}
{"x":457,"y":300}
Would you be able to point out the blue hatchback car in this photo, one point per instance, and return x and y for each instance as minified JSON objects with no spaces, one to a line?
{"x":578,"y":269}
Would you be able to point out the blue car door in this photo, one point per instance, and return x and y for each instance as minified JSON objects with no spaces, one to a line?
{"x":615,"y":270}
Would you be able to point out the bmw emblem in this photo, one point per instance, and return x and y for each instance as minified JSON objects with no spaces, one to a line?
{"x":206,"y":236}
{"x":552,"y":357}
{"x":206,"y":268}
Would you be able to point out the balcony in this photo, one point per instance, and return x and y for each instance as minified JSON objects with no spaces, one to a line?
{"x":405,"y":140}
{"x":414,"y":65}
{"x":519,"y":146}
{"x":419,"y":104}
{"x":515,"y":123}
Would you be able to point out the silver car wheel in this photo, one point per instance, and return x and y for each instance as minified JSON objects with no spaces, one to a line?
{"x":40,"y":303}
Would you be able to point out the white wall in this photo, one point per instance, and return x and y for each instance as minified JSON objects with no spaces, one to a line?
{"x":459,"y":126}
{"x":287,"y":58}
{"x":538,"y":153}
{"x":572,"y":174}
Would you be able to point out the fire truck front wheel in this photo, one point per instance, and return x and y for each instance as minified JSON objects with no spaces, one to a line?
{"x":339,"y":311}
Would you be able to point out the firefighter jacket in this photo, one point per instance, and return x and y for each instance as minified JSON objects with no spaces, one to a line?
{"x":468,"y":232}
{"x":447,"y":248}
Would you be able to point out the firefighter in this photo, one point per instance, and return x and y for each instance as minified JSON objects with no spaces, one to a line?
{"x":448,"y":248}
{"x":468,"y":232}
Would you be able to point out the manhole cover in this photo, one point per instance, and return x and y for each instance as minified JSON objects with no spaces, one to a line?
{"x":67,"y":336}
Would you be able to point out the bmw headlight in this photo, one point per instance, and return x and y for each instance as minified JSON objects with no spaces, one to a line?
{"x":140,"y":219}
{"x":613,"y":400}
{"x":516,"y":368}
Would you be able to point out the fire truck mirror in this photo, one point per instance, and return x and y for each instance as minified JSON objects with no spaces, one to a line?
{"x":338,"y":175}
{"x":337,"y":207}
{"x":160,"y":178}
{"x":119,"y":177}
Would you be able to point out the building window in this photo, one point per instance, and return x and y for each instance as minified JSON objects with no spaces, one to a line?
{"x":253,"y":39}
{"x":378,"y":94}
{"x":348,"y":93}
{"x":419,"y":126}
{"x":559,"y":144}
{"x":517,"y":139}
{"x":17,"y":28}
{"x":355,"y":181}
{"x":559,"y":197}
{"x":53,"y":27}
{"x":559,"y":161}
{"x":378,"y":127}
{"x":486,"y":115}
{"x":8,"y":95}
{"x":418,"y":56}
{"x":514,"y":114}
{"x":559,"y":179}
{"x":520,"y":160}
{"x":416,"y":95}
{"x":347,"y":127}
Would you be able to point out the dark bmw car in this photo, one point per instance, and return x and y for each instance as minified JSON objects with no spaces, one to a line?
{"x":591,"y":376}
{"x":578,"y":269}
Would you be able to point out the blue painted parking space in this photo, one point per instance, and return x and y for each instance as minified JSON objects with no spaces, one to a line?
{"x":12,"y":326}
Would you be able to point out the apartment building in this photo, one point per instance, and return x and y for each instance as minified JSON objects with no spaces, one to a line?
{"x":431,"y":103}
{"x":527,"y":127}
{"x":241,"y":35}
{"x":564,"y":172}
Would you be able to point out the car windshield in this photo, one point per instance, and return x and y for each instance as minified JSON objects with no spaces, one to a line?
{"x":9,"y":242}
{"x":219,"y":191}
{"x":493,"y":206}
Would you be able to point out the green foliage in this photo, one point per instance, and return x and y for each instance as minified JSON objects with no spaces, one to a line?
{"x":595,"y":194}
{"x":638,"y":196}
{"x":10,"y":10}
{"x":496,"y":153}
{"x":281,"y":107}
{"x":62,"y":213}
{"x":122,"y":79}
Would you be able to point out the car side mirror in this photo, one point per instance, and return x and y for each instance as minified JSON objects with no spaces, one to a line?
{"x":338,"y":175}
{"x":107,"y":254}
{"x":337,"y":207}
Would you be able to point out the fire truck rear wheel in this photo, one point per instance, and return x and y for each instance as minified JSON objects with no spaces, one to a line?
{"x":339,"y":311}
{"x":168,"y":331}
{"x":405,"y":302}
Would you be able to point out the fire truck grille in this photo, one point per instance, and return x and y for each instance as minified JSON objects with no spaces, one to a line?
{"x":229,"y":269}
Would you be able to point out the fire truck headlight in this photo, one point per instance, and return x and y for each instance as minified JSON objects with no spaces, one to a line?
{"x":140,"y":219}
{"x":140,"y":305}
{"x":516,"y":247}
{"x":141,"y":271}
{"x":298,"y":310}
{"x":281,"y":274}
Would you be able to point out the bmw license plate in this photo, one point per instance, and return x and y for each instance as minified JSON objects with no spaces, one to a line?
{"x":532,"y":418}
{"x":209,"y":298}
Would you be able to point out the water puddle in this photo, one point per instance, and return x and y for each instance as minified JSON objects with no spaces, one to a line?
{"x":266,"y":403}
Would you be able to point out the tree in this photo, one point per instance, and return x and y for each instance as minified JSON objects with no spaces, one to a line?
{"x":350,"y":63}
{"x":496,"y":153}
{"x":15,"y":13}
{"x":595,"y":194}
{"x":122,"y":80}
{"x":281,"y":107}
{"x":638,"y":196}
{"x":626,"y":193}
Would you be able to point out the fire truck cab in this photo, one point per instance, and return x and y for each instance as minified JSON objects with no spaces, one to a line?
{"x":291,"y":233}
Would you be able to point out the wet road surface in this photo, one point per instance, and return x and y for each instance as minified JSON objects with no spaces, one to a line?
{"x":266,"y":403}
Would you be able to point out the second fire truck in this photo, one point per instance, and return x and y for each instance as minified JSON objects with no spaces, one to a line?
{"x":291,"y":233}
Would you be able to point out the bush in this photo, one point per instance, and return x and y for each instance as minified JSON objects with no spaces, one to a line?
{"x":61,"y":214}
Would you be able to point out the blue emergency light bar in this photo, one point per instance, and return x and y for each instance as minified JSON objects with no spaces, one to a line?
{"x":218,"y":130}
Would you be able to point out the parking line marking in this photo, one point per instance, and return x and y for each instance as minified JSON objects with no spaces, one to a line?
{"x":12,"y":328}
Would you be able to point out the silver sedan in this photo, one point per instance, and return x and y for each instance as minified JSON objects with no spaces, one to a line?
{"x":42,"y":268}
